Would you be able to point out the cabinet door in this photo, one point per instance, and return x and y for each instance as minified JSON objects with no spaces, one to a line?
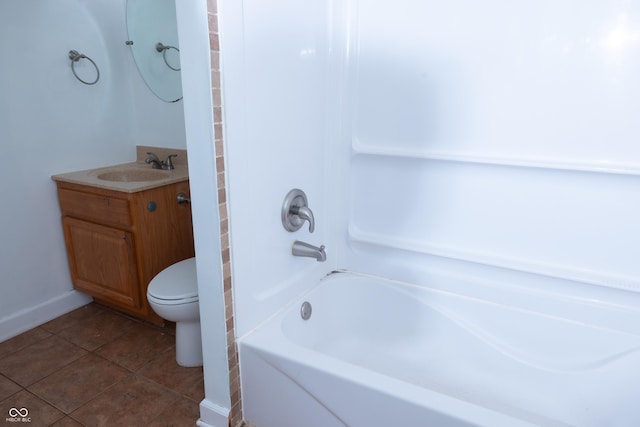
{"x":102,"y":261}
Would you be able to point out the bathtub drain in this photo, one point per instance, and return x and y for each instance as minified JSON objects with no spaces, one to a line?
{"x":305,"y":310}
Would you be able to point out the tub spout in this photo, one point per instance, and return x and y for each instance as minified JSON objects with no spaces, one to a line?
{"x":305,"y":249}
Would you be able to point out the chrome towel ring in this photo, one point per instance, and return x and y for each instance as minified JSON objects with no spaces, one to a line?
{"x":75,"y":56}
{"x":164,"y":48}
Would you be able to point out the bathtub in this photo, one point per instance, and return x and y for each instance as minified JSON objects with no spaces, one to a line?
{"x":382,"y":353}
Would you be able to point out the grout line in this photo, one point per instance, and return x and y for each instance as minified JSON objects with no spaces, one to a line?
{"x":131,"y":373}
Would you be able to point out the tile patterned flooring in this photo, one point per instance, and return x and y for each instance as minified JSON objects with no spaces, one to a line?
{"x":97,"y":367}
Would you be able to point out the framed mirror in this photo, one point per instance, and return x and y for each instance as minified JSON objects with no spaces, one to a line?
{"x":153,"y":38}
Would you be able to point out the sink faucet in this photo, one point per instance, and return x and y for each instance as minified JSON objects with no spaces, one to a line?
{"x":305,"y":249}
{"x":156,"y":163}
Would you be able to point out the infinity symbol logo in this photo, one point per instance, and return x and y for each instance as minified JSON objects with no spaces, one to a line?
{"x":22,"y":412}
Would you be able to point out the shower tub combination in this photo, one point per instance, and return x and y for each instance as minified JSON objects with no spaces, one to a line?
{"x":381,"y":353}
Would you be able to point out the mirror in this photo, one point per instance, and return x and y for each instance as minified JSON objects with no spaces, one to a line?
{"x":153,"y":38}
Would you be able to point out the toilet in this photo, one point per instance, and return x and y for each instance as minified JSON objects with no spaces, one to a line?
{"x":173,"y":295}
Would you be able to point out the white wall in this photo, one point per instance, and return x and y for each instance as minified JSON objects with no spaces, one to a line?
{"x":51,"y":123}
{"x":198,"y":105}
{"x":504,"y":136}
{"x":280,"y":76}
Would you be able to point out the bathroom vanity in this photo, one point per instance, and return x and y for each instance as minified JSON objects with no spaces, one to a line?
{"x":122,"y":226}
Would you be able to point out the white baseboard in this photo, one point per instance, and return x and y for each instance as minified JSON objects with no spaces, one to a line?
{"x":212,"y":415}
{"x":31,"y":317}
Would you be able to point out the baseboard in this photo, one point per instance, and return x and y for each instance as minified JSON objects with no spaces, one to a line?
{"x":212,"y":415}
{"x":31,"y":317}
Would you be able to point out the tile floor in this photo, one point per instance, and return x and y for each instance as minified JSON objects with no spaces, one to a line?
{"x":97,"y":367}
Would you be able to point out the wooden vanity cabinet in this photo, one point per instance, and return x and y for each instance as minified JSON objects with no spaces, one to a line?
{"x":117,"y":242}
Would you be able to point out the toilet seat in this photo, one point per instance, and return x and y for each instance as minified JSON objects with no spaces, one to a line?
{"x":161,"y":301}
{"x":176,"y":284}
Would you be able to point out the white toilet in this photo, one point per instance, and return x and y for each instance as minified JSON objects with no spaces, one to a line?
{"x":173,"y":295}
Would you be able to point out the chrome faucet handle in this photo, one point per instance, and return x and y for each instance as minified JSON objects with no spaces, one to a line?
{"x":152,"y":158}
{"x":168,"y":164}
{"x":295,"y":211}
{"x":305,"y":213}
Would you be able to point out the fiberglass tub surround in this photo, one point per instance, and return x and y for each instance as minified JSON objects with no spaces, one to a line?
{"x":434,"y":356}
{"x":509,"y":141}
{"x":485,"y":163}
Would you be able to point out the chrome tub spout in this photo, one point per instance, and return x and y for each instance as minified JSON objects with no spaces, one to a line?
{"x":305,"y":249}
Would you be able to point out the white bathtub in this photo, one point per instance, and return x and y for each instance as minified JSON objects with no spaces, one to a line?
{"x":380,"y":353}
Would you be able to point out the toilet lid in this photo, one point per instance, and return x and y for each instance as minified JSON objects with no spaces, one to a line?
{"x":176,"y":282}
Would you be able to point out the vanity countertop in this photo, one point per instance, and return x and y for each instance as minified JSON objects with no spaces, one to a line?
{"x":131,"y":177}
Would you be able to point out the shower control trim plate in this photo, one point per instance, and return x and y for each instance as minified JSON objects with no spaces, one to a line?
{"x":295,"y":211}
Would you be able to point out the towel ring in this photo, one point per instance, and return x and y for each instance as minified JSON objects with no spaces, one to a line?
{"x":164,"y":48}
{"x":75,"y":56}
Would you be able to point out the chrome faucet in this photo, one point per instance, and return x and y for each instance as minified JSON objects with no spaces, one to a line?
{"x":156,"y":163}
{"x":304,"y":213}
{"x":305,"y":249}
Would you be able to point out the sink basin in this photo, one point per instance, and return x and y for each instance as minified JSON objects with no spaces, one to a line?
{"x":130,"y":177}
{"x":133,"y":175}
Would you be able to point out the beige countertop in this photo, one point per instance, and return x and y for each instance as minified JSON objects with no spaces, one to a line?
{"x":132,"y":177}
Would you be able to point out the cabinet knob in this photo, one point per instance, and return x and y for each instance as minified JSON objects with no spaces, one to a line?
{"x":182,"y":198}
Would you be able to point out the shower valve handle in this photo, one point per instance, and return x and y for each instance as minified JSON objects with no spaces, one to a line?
{"x":305,"y":213}
{"x":295,"y":211}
